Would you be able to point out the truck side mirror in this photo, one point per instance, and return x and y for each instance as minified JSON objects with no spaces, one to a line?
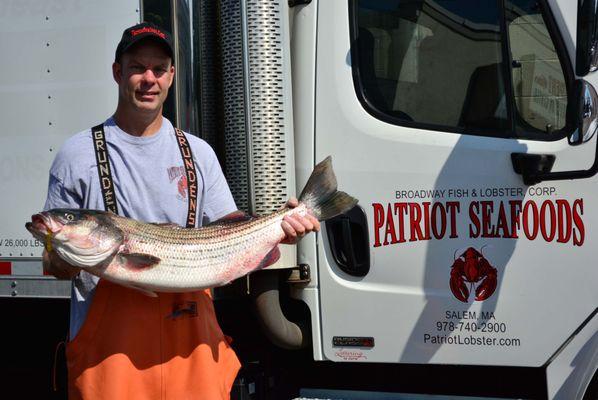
{"x":586,"y":109}
{"x":587,"y":37}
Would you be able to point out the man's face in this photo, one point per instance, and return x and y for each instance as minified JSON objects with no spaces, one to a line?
{"x":144,"y":75}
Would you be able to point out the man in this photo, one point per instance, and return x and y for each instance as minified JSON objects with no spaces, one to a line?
{"x":124,"y":344}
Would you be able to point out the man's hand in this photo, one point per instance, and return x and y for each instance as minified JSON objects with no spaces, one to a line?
{"x":56,"y":266}
{"x":295,"y":226}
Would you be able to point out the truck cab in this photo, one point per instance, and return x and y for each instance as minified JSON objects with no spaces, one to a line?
{"x":466,"y":130}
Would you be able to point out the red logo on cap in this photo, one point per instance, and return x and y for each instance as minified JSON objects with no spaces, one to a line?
{"x":148,"y":30}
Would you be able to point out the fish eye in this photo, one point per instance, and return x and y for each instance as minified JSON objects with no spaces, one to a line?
{"x":69,"y":217}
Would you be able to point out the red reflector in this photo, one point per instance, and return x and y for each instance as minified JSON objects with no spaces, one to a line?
{"x":5,"y":268}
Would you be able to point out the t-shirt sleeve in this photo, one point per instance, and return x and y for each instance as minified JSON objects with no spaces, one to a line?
{"x":219,"y":200}
{"x":59,"y":196}
{"x":66,"y":172}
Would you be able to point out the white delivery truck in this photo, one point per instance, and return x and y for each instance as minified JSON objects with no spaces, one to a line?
{"x":466,"y":129}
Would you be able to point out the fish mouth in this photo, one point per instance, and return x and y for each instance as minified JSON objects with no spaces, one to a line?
{"x":41,"y":225}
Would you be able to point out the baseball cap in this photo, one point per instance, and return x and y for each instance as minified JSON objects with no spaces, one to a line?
{"x":142,"y":31}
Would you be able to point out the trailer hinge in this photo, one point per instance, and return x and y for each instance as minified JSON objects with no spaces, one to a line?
{"x":300,"y":274}
{"x":293,"y":3}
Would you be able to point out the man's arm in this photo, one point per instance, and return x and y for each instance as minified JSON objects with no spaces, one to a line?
{"x":56,"y":266}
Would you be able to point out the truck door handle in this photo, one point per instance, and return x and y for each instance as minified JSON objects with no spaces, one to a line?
{"x":349,"y":241}
{"x":529,"y":166}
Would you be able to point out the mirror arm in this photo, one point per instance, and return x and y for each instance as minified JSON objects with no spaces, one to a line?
{"x":532,"y":176}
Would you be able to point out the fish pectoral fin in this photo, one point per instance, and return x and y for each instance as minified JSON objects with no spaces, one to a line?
{"x":138,"y":261}
{"x":271,"y":258}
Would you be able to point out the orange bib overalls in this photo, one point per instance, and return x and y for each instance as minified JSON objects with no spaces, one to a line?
{"x":132,"y":346}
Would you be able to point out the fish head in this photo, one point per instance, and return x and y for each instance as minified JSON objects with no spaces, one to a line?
{"x":83,"y":238}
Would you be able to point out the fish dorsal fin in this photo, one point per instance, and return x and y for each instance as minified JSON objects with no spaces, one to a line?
{"x":237,"y":216}
{"x":138,"y":261}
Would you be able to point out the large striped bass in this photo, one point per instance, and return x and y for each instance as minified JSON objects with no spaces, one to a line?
{"x":167,"y":258}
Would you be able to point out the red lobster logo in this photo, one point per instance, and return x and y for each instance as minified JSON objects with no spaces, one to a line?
{"x":472,"y":267}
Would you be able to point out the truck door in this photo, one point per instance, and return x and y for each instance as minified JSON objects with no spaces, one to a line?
{"x":421,"y":105}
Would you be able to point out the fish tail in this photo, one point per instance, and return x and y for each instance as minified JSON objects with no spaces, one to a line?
{"x":320,"y":194}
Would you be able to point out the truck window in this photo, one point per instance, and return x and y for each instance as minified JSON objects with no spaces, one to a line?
{"x":446,"y":65}
{"x":539,"y":84}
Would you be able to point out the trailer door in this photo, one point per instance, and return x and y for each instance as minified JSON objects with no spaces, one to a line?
{"x":56,"y":80}
{"x":452,"y":258}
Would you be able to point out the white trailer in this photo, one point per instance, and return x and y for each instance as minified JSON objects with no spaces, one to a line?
{"x":466,"y":130}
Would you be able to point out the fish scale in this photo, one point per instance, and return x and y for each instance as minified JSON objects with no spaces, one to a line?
{"x":194,"y":259}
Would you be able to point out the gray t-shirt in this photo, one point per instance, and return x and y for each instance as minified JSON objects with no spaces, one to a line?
{"x":149,"y":181}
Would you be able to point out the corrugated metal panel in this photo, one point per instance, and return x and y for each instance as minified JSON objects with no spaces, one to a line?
{"x":234,"y":102}
{"x":266,"y":101}
{"x":253,"y":46}
{"x":206,"y":49}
